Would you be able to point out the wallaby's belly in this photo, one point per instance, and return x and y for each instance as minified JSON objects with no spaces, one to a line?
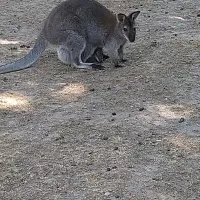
{"x":87,"y":18}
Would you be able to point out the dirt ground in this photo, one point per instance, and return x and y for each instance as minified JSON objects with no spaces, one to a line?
{"x":130,"y":133}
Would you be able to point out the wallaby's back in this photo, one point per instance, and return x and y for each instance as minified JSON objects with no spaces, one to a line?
{"x":87,"y":17}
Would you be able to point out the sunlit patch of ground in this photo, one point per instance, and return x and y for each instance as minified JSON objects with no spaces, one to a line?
{"x":174,"y":111}
{"x":183,"y":141}
{"x":13,"y":100}
{"x":70,"y":91}
{"x":8,"y":42}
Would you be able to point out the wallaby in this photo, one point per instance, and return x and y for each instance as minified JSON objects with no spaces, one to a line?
{"x":77,"y":28}
{"x":97,"y":57}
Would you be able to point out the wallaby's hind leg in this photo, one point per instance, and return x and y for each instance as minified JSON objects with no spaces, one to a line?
{"x":71,"y":52}
{"x":64,"y":54}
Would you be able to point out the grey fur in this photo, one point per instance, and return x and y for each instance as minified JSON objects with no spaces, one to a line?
{"x":77,"y":28}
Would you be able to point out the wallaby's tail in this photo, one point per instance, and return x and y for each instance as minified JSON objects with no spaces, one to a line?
{"x":29,"y":59}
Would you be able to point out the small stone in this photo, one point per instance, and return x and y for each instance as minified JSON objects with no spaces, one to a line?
{"x":108,"y":88}
{"x":107,"y":194}
{"x":59,"y":137}
{"x":73,"y":164}
{"x":141,"y":109}
{"x":156,"y":179}
{"x":198,"y":15}
{"x":153,"y":44}
{"x":5,"y":79}
{"x":108,"y":169}
{"x":140,"y":143}
{"x":116,"y":148}
{"x":181,"y":120}
{"x":114,"y":113}
{"x":117,"y":196}
{"x":181,"y":8}
{"x":88,"y":118}
{"x":105,"y":137}
{"x":13,"y":48}
{"x":166,"y":12}
{"x":92,"y":90}
{"x":114,"y":167}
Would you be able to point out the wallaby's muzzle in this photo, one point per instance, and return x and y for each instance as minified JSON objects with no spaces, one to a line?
{"x":132,"y":38}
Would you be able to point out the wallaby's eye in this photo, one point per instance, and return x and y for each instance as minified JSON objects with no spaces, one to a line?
{"x":125,"y":29}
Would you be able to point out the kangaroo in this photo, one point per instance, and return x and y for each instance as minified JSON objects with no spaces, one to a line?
{"x":77,"y":28}
{"x":97,"y":57}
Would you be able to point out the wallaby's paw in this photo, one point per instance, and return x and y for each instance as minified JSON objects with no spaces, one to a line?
{"x":123,"y":60}
{"x":118,"y":66}
{"x":105,"y":57}
{"x":99,"y":67}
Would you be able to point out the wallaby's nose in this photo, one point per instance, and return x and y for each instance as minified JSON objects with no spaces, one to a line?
{"x":132,"y":39}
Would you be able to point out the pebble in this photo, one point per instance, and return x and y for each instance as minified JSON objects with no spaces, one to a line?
{"x":153,"y":44}
{"x":108,"y":169}
{"x":107,"y":194}
{"x":141,"y":109}
{"x":181,"y":120}
{"x":116,"y":148}
{"x":13,"y":48}
{"x":105,"y":137}
{"x":92,"y":90}
{"x":140,"y":143}
{"x":88,"y":118}
{"x":5,"y":79}
{"x":156,"y":179}
{"x":114,"y":113}
{"x":24,"y":46}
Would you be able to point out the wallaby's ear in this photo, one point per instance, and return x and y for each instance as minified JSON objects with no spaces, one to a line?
{"x":121,"y":17}
{"x":134,"y":15}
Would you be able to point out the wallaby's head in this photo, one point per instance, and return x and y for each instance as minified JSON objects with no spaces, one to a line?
{"x":127,"y":25}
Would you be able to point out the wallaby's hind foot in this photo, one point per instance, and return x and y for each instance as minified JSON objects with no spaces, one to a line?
{"x":119,"y":66}
{"x":96,"y":66}
{"x":105,"y":57}
{"x":123,"y":60}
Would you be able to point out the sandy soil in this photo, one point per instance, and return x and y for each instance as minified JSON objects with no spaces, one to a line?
{"x":130,"y":133}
